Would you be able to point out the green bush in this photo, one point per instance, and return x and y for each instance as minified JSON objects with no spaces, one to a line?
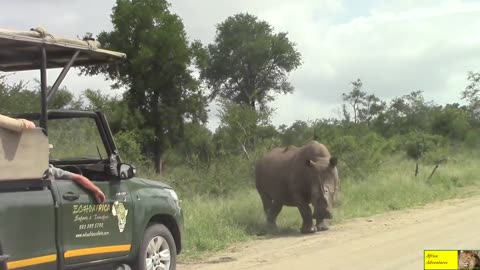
{"x":130,"y":148}
{"x":360,"y":156}
{"x":472,"y":138}
{"x":417,"y":144}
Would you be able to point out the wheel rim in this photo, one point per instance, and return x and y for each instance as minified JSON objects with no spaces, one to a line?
{"x":157,"y":256}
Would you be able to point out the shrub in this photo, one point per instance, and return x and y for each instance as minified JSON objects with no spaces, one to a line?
{"x":359,"y":156}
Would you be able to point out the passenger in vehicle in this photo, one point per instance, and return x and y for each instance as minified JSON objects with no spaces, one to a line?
{"x":57,"y":173}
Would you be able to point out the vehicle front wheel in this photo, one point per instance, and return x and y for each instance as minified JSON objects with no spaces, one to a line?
{"x":158,"y":250}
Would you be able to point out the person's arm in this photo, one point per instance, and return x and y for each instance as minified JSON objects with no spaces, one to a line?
{"x":15,"y":124}
{"x":86,"y":183}
{"x":58,"y":173}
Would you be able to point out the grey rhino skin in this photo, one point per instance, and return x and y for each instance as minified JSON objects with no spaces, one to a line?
{"x":298,"y":176}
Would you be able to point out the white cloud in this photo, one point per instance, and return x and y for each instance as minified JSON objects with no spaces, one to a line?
{"x":395,"y":47}
{"x":427,"y":48}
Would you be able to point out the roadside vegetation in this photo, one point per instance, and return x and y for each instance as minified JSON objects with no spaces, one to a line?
{"x":394,"y":153}
{"x":216,"y":222}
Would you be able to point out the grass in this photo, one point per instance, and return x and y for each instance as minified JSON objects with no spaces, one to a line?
{"x":214,"y":223}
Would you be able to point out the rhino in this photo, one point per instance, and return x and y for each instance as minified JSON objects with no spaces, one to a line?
{"x":298,"y":176}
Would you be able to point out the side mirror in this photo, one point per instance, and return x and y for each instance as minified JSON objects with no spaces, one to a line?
{"x":126,"y":171}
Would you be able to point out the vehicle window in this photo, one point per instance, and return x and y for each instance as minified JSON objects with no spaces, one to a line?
{"x":76,"y":138}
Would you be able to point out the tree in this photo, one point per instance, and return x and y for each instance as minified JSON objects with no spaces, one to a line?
{"x":156,"y":74}
{"x":247,"y":63}
{"x":406,"y":113}
{"x":372,"y":109}
{"x":18,"y":98}
{"x":239,"y":124}
{"x":298,"y":133}
{"x":365,"y":107}
{"x":472,"y":93}
{"x":451,"y":122}
{"x":355,"y":99}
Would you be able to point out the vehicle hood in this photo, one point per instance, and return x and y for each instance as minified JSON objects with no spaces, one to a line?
{"x":152,"y":183}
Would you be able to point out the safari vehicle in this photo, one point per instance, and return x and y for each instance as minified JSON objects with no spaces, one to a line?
{"x":53,"y":224}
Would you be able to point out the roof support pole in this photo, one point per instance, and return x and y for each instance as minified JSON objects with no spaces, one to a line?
{"x":43,"y":93}
{"x":62,"y":75}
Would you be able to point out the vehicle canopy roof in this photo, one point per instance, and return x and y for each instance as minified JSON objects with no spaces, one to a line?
{"x":39,"y":50}
{"x":24,"y":155}
{"x":20,"y":50}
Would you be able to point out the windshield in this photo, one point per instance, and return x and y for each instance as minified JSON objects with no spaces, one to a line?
{"x":75,"y":138}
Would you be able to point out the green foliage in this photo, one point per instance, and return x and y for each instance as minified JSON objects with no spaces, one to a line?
{"x":130,"y":147}
{"x":472,"y":93}
{"x":472,"y":138}
{"x":239,"y":127}
{"x":75,"y":138}
{"x":18,"y":98}
{"x":297,"y":134}
{"x":239,"y":217}
{"x":451,"y":122}
{"x":365,"y":107}
{"x":405,"y":114}
{"x":162,"y":118}
{"x":360,"y":156}
{"x":222,"y":177}
{"x":197,"y":142}
{"x":247,"y":63}
{"x":417,"y":144}
{"x":159,"y":83}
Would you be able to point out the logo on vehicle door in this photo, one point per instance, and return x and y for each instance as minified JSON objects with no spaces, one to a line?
{"x":120,"y":212}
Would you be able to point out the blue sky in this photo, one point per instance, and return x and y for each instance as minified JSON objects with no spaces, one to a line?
{"x":353,"y":9}
{"x":395,"y":47}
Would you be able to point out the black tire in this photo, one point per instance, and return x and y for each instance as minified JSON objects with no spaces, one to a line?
{"x":151,"y":232}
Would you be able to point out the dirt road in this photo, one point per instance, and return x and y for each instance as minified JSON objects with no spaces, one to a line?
{"x":395,"y":240}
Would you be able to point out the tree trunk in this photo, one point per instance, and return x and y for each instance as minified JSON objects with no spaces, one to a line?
{"x":251,"y":142}
{"x":158,"y":150}
{"x":158,"y":162}
{"x":159,"y":136}
{"x":416,"y":170}
{"x":434,"y":169}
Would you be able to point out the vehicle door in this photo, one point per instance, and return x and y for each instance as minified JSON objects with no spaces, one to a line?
{"x":90,"y":231}
{"x":27,"y":207}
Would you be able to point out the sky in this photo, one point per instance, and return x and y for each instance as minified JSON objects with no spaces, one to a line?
{"x":394,"y":47}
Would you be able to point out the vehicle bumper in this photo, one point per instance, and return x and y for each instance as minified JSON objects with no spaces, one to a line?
{"x":180,"y":223}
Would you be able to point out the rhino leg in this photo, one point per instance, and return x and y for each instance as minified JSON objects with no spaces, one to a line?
{"x":321,"y":225}
{"x":273,"y":214}
{"x":321,"y":215}
{"x":268,"y":207}
{"x":306,"y":213}
{"x":267,"y":202}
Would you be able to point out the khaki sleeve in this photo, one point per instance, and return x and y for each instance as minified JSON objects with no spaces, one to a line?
{"x":59,"y":174}
{"x":12,"y":123}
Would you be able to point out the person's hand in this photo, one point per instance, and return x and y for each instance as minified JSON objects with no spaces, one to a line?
{"x":28,"y":124}
{"x":99,"y":196}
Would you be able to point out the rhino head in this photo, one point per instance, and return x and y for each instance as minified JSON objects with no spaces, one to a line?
{"x":326,"y":185}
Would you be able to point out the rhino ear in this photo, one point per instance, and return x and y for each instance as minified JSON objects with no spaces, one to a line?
{"x":333,"y":161}
{"x":310,"y":163}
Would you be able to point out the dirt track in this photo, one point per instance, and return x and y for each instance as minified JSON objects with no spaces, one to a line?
{"x":395,"y":240}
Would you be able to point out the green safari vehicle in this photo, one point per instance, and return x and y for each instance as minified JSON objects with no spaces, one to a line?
{"x":53,"y":224}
